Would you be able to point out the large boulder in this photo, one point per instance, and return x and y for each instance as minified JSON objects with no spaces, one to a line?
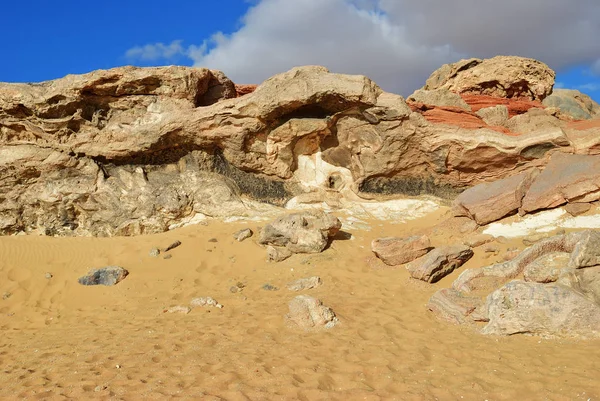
{"x":566,"y":178}
{"x":550,"y":310}
{"x":501,"y":76}
{"x":489,"y":202}
{"x":396,"y":251}
{"x":573,"y":103}
{"x":304,"y":232}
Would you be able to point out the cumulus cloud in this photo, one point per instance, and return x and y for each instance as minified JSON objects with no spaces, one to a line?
{"x":156,"y":51}
{"x":398,"y":43}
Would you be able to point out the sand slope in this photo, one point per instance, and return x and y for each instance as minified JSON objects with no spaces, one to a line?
{"x":61,"y":340}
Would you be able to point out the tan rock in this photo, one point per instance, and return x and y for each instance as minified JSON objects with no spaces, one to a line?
{"x":502,"y":76}
{"x":439,"y":262}
{"x":577,"y":208}
{"x":489,"y":202}
{"x":494,"y":115}
{"x":566,"y":178}
{"x":396,"y":251}
{"x":308,"y":313}
{"x":438,"y":97}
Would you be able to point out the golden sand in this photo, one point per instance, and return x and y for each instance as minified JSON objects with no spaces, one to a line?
{"x":62,"y":340}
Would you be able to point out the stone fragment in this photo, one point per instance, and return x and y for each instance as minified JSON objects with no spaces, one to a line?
{"x":173,"y":245}
{"x":550,"y":310}
{"x":109,"y":275}
{"x":277,"y":254}
{"x":304,"y":284}
{"x":309,"y":313}
{"x":154,"y":252}
{"x":396,"y":251}
{"x":269,"y":287}
{"x":179,"y":309}
{"x":439,"y":262}
{"x":205,"y":302}
{"x":304,"y":232}
{"x":243,"y":234}
{"x":577,"y":208}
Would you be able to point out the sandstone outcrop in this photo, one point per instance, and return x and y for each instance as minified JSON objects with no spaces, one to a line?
{"x":142,"y":150}
{"x":501,"y":76}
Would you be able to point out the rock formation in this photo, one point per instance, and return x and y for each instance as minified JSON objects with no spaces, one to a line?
{"x":559,"y":295}
{"x":142,"y":150}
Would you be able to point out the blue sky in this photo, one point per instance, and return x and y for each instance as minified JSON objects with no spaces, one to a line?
{"x":398,"y":43}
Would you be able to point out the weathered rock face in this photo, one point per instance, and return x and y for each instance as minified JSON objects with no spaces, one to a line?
{"x":546,"y":310}
{"x":573,"y":103}
{"x":559,"y":297}
{"x":566,"y":178}
{"x":501,"y":76}
{"x":110,"y":275}
{"x":131,"y":150}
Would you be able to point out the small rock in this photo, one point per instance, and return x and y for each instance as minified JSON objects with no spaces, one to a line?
{"x":172,"y":246}
{"x":109,"y":275}
{"x":304,"y":284}
{"x":277,"y":254}
{"x":178,"y":309}
{"x":167,"y":256}
{"x":48,"y":275}
{"x":205,"y":302}
{"x":478,"y":240}
{"x":309,"y":313}
{"x":6,"y":295}
{"x":154,"y":252}
{"x":213,"y":240}
{"x":491,"y":249}
{"x":97,"y":389}
{"x":269,"y":287}
{"x":396,"y":251}
{"x":439,"y":263}
{"x":238,"y":287}
{"x":243,"y":234}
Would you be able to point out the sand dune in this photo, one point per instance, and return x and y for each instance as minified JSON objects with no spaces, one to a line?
{"x":61,"y":340}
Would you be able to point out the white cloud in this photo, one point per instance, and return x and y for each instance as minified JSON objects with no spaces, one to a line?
{"x":397,"y":43}
{"x":156,"y":51}
{"x":589,"y":87}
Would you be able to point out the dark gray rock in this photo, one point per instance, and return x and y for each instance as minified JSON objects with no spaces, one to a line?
{"x":109,"y":275}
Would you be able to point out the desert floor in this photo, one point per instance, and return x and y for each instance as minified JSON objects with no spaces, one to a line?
{"x":62,"y":340}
